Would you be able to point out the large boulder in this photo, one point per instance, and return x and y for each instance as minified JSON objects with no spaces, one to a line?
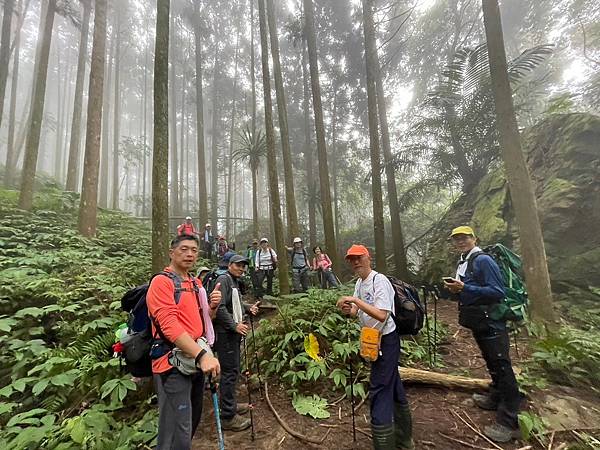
{"x":563,"y":154}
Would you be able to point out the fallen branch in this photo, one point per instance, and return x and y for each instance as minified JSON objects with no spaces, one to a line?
{"x":475,"y":430}
{"x":467,"y":444}
{"x":339,"y":400}
{"x":366,"y":433}
{"x":362,"y":402}
{"x":410,"y":375}
{"x":286,"y":427}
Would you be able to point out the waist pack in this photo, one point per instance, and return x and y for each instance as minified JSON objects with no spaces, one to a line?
{"x":370,"y":341}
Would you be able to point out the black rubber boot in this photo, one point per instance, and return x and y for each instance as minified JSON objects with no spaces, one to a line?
{"x":403,"y":427}
{"x":383,"y":437}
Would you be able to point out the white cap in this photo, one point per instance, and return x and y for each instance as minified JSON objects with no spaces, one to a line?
{"x":207,"y":225}
{"x":297,"y":239}
{"x":188,"y":218}
{"x":263,"y":240}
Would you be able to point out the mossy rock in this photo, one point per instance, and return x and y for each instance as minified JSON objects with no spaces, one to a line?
{"x":563,"y":153}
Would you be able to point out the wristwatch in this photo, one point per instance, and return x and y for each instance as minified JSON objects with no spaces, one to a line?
{"x":199,"y":357}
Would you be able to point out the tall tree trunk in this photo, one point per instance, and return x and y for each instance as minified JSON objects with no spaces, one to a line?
{"x":116,"y":112}
{"x":401,"y":269}
{"x":37,"y":111}
{"x":290,"y":198}
{"x":11,"y":157}
{"x":519,"y":181}
{"x":231,"y":137}
{"x":104,"y":170}
{"x":201,"y":172}
{"x":214,"y":159}
{"x":334,"y":157}
{"x":370,"y":56}
{"x":174,"y":187}
{"x":160,"y":157}
{"x":308,"y":153}
{"x":5,"y":50}
{"x":73,"y":165}
{"x":89,"y":186}
{"x":284,"y":284}
{"x":60,"y":95}
{"x":253,"y":85}
{"x":145,"y":133}
{"x":182,"y":186}
{"x":320,"y":132}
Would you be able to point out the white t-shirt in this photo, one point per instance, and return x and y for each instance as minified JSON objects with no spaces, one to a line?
{"x":380,"y":295}
{"x":265,"y":258}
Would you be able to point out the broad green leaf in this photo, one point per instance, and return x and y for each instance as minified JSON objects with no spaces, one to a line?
{"x":40,"y":386}
{"x":313,"y":406}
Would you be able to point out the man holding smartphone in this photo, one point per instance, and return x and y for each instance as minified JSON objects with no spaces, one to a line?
{"x":479,"y":288}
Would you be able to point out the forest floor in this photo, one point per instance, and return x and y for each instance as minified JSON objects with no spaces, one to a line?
{"x":435,"y":410}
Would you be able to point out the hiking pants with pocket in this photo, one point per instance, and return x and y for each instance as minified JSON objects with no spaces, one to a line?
{"x":179,"y":408}
{"x":300,"y":279}
{"x":386,"y":387}
{"x":504,"y":390}
{"x":328,"y":279}
{"x":227,"y":346}
{"x":260,"y":279}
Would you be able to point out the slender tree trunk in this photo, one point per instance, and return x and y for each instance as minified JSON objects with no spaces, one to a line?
{"x":517,"y":173}
{"x":174,"y":188}
{"x":214,"y":160}
{"x":37,"y":111}
{"x":60,"y":95}
{"x":11,"y":159}
{"x":253,"y":85}
{"x":5,"y":50}
{"x":320,"y":132}
{"x":401,"y":269}
{"x":89,"y":186}
{"x":231,"y":137}
{"x":308,"y":152}
{"x":116,"y":112}
{"x":370,"y":56}
{"x":104,"y":166}
{"x":181,"y":178}
{"x":290,"y":198}
{"x":284,"y":284}
{"x":145,"y":133}
{"x":160,"y":158}
{"x":72,"y":169}
{"x":334,"y":157}
{"x":201,"y":172}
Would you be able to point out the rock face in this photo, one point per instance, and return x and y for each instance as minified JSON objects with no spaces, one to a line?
{"x":563,"y":154}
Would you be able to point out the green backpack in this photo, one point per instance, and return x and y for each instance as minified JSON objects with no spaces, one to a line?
{"x":514,"y":305}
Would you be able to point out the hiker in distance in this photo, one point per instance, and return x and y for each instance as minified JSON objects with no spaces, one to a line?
{"x":181,"y":351}
{"x":479,"y":288}
{"x":187,"y":227}
{"x":373,"y":303}
{"x":230,"y":328}
{"x":265,"y":263}
{"x":208,"y":241}
{"x":322,"y":263}
{"x":300,"y":265}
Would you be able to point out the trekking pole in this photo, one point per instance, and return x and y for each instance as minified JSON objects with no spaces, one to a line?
{"x":250,"y":405}
{"x":351,"y":384}
{"x":256,"y":360}
{"x":425,"y":292}
{"x":215,"y":399}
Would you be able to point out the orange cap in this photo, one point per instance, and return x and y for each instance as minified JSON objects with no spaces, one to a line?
{"x":357,"y":250}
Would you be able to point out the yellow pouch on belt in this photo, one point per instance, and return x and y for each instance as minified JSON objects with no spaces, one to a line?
{"x":370,"y":339}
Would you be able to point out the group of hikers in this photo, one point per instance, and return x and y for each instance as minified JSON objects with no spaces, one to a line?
{"x":207,"y":330}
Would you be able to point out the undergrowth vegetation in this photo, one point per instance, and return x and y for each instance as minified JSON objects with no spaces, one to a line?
{"x":59,"y":385}
{"x":310,"y":343}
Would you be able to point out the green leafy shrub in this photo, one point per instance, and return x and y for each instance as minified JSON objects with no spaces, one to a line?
{"x":59,"y":292}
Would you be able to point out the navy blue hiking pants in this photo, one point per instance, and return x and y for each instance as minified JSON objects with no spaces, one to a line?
{"x":386,"y":387}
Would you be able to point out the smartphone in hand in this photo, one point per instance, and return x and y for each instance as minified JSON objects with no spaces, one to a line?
{"x":449,"y":280}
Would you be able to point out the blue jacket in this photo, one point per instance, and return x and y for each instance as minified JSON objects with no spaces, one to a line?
{"x":484,"y":285}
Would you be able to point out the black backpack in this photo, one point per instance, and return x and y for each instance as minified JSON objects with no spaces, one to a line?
{"x":410,"y":314}
{"x":138,"y":342}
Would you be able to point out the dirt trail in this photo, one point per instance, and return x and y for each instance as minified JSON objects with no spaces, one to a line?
{"x":432,"y":409}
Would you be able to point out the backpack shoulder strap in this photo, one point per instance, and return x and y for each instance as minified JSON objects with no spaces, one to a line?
{"x":176,"y":283}
{"x":471,"y":262}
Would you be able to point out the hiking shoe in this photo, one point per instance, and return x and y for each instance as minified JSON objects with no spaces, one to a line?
{"x":501,"y":433}
{"x":242,"y":408}
{"x":236,"y":423}
{"x":484,"y":401}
